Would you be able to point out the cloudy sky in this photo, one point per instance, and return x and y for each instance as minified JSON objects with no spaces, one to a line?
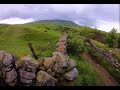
{"x":101,"y":16}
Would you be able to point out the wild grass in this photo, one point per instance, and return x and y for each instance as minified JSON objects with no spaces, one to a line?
{"x":87,"y":76}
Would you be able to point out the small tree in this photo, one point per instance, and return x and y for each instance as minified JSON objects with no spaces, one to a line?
{"x":112,"y":38}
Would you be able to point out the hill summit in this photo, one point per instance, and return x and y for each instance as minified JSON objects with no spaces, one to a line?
{"x":57,"y":22}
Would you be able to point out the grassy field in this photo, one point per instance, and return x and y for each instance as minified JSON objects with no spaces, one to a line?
{"x":15,"y":38}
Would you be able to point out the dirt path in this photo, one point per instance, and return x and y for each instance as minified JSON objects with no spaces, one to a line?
{"x":107,"y":78}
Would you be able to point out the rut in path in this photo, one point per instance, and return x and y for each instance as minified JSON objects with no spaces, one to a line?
{"x":107,"y":78}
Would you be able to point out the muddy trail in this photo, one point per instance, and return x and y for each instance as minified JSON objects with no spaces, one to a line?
{"x":107,"y":78}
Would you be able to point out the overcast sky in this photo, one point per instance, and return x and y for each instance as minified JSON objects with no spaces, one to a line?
{"x":101,"y":16}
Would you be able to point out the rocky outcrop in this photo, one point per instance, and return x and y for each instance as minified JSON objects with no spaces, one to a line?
{"x":106,"y":54}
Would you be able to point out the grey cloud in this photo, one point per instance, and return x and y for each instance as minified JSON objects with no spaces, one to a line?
{"x":84,"y":14}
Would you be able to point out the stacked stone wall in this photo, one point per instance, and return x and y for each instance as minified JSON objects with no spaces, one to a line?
{"x":106,"y":54}
{"x":47,"y":71}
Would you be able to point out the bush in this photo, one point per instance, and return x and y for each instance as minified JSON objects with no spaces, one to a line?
{"x":76,"y":44}
{"x":112,"y":38}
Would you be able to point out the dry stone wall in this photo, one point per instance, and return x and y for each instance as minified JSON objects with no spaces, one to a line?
{"x":106,"y":54}
{"x":47,"y":71}
{"x":8,"y":71}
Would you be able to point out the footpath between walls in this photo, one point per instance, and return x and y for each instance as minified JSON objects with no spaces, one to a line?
{"x":106,"y":54}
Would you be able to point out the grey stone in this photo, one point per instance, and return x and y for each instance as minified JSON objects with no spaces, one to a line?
{"x":44,"y":79}
{"x":71,"y":64}
{"x":10,"y":76}
{"x":8,"y":60}
{"x":60,"y":59}
{"x":25,"y":81}
{"x":71,"y":75}
{"x":29,"y":62}
{"x":48,"y":62}
{"x":27,"y":75}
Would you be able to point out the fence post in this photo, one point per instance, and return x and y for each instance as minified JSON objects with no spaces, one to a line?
{"x":32,"y":50}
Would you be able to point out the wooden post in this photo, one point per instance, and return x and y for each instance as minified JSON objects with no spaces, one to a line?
{"x":32,"y":50}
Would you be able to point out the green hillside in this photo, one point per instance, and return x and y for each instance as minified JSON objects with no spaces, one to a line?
{"x":15,"y":38}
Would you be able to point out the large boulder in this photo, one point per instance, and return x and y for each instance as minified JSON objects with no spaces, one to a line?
{"x":44,"y":79}
{"x":27,"y":62}
{"x":71,"y":75}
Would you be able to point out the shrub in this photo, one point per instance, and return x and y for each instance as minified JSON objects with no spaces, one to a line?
{"x":112,"y":38}
{"x":76,"y":44}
